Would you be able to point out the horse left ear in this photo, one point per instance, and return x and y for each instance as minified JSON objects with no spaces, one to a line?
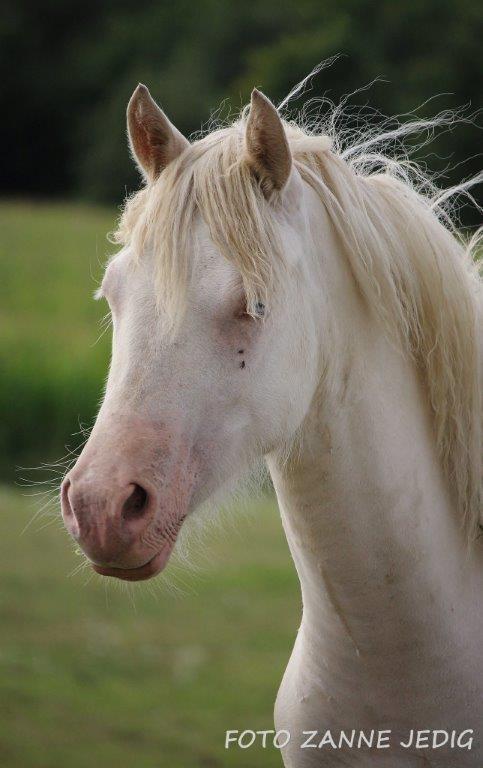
{"x":267,"y":147}
{"x":154,"y":141}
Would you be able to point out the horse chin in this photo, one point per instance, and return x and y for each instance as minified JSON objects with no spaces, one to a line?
{"x":141,"y":573}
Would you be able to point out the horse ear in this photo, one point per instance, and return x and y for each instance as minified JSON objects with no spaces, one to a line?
{"x":266,"y":144}
{"x":154,"y":141}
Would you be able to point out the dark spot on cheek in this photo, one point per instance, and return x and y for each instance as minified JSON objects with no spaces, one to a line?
{"x":242,"y":364}
{"x":241,"y":351}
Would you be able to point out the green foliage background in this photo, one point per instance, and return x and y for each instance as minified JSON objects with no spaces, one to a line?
{"x":69,"y":68}
{"x":53,"y":362}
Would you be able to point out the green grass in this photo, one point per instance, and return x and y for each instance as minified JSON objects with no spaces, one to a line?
{"x":91,"y":674}
{"x":52,"y":368}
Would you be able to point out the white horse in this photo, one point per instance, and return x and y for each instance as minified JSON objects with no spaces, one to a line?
{"x":275,"y":297}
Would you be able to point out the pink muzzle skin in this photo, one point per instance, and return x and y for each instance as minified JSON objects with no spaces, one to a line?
{"x":143,"y":572}
{"x":128,"y":528}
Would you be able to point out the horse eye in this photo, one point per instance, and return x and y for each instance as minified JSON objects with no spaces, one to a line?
{"x":259,"y":309}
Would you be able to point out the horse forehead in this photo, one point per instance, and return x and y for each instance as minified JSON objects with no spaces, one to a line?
{"x":212,"y":273}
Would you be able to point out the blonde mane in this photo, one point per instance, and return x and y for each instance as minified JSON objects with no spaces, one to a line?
{"x":403,"y":250}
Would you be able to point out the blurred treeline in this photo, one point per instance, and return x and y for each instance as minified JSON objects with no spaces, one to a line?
{"x":68,"y":69}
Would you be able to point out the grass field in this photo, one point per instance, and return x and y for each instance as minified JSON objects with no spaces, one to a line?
{"x":91,"y":674}
{"x":52,"y":369}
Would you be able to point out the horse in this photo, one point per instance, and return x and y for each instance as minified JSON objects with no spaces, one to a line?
{"x":278,"y":297}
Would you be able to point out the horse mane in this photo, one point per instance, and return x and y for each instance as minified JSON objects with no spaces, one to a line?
{"x":399,"y":237}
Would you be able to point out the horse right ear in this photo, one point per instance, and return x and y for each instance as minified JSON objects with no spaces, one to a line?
{"x":267,"y":149}
{"x":154,"y":141}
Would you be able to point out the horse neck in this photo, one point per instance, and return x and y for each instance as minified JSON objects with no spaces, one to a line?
{"x":365,"y":506}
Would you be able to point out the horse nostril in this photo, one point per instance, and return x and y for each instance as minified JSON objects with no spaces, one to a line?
{"x":136,"y":504}
{"x":64,"y":497}
{"x":68,"y":512}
